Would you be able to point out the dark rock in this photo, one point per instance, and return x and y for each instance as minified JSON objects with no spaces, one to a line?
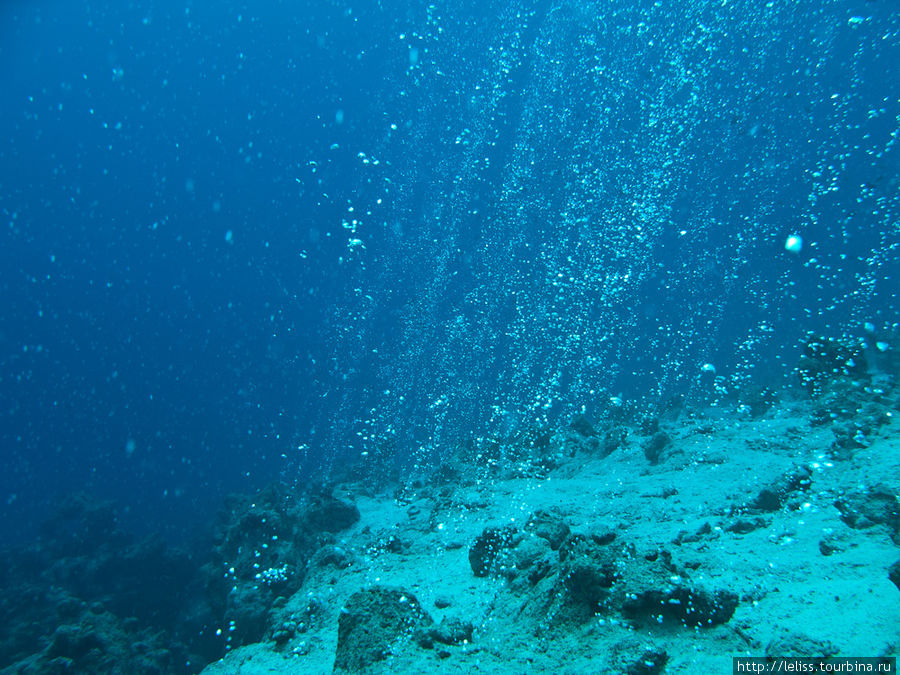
{"x":829,"y":545}
{"x":549,"y":525}
{"x":590,"y":580}
{"x":692,"y":608}
{"x":894,"y":574}
{"x":772,"y":497}
{"x":539,"y":570}
{"x":529,"y":552}
{"x":488,"y":553}
{"x":857,"y":409}
{"x":393,"y":544}
{"x":613,"y":440}
{"x":331,"y":556}
{"x":329,"y":514}
{"x":442,"y":603}
{"x":588,"y":571}
{"x":615,"y":580}
{"x":849,"y":437}
{"x":876,"y":506}
{"x":282,"y":634}
{"x":261,"y":531}
{"x":703,"y":532}
{"x":261,"y":549}
{"x":747,"y":525}
{"x":248,"y":608}
{"x":655,"y":446}
{"x":288,"y":625}
{"x":603,"y":537}
{"x":372,"y":623}
{"x":452,"y":631}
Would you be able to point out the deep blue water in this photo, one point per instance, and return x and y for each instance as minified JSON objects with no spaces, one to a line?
{"x":242,"y":241}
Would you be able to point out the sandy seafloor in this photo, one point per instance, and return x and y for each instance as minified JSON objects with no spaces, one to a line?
{"x":808,"y":583}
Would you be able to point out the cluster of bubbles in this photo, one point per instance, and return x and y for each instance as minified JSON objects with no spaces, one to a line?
{"x":578,"y":203}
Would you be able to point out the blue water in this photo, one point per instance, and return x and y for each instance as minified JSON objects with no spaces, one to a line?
{"x":241,"y":242}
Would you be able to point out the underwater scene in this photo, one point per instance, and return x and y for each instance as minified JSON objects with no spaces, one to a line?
{"x":456,"y":336}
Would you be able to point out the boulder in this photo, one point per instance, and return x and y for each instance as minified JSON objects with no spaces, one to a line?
{"x":371,"y":624}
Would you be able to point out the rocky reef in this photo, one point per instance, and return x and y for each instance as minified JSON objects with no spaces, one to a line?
{"x":664,"y":539}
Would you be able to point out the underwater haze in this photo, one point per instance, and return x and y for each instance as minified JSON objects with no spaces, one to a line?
{"x":328,"y":243}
